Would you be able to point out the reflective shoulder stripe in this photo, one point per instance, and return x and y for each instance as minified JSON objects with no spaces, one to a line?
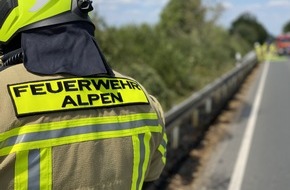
{"x":72,"y":131}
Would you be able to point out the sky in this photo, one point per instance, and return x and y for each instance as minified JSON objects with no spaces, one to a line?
{"x":272,"y":14}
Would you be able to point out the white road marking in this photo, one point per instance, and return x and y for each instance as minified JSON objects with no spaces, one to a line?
{"x":240,"y":166}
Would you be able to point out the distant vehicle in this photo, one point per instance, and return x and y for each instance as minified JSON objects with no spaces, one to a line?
{"x":283,"y":44}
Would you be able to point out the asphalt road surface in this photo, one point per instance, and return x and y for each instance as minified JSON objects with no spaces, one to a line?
{"x":256,"y":156}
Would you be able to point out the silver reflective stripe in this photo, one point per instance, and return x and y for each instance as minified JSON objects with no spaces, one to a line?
{"x":34,"y":169}
{"x":65,"y":132}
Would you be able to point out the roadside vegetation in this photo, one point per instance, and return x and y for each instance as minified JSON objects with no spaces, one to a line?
{"x":286,"y":27}
{"x":181,"y":53}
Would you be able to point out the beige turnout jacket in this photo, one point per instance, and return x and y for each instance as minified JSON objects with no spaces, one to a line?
{"x":73,"y":133}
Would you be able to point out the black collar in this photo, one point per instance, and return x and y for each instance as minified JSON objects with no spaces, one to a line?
{"x":69,"y":48}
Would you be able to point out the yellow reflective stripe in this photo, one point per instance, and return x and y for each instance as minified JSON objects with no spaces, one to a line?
{"x":21,"y":171}
{"x":91,"y":131}
{"x":33,"y":170}
{"x":75,"y":123}
{"x":136,"y":162}
{"x":147,"y":154}
{"x":46,"y":169}
{"x":162,"y":147}
{"x":162,"y":150}
{"x":141,"y":147}
{"x":38,"y":136}
{"x":75,"y":139}
{"x":141,"y":161}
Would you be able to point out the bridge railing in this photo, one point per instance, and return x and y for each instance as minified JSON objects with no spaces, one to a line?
{"x":187,"y":122}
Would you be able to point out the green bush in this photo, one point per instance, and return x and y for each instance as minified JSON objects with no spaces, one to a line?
{"x":171,"y":62}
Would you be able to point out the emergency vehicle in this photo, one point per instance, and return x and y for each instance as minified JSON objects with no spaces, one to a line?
{"x":283,"y":44}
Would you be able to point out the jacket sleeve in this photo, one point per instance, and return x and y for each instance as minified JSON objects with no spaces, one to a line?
{"x":158,"y":160}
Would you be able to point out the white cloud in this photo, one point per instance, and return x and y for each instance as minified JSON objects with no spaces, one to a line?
{"x":278,"y":3}
{"x":226,"y":5}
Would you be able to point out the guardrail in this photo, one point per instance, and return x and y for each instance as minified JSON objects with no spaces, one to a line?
{"x":187,"y":122}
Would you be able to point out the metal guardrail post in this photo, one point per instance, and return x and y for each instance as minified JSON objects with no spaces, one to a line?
{"x":195,"y":118}
{"x":208,"y":106}
{"x":175,"y":138}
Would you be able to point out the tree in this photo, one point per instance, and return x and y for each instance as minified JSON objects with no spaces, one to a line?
{"x":247,"y":27}
{"x":182,"y":16}
{"x":182,"y":53}
{"x":286,"y":27}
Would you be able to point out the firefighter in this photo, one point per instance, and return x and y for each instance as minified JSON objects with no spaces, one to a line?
{"x":67,"y":120}
{"x":259,"y":51}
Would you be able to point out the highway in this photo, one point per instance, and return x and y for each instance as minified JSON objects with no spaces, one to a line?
{"x":256,"y":156}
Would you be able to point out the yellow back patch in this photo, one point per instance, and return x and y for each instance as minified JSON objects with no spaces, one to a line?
{"x":74,"y":93}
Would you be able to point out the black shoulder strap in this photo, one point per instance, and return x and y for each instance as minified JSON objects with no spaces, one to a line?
{"x":11,"y":58}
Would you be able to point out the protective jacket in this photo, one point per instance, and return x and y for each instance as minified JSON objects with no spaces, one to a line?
{"x":64,"y":132}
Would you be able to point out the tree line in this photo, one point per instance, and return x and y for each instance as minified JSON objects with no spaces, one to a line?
{"x":181,"y":53}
